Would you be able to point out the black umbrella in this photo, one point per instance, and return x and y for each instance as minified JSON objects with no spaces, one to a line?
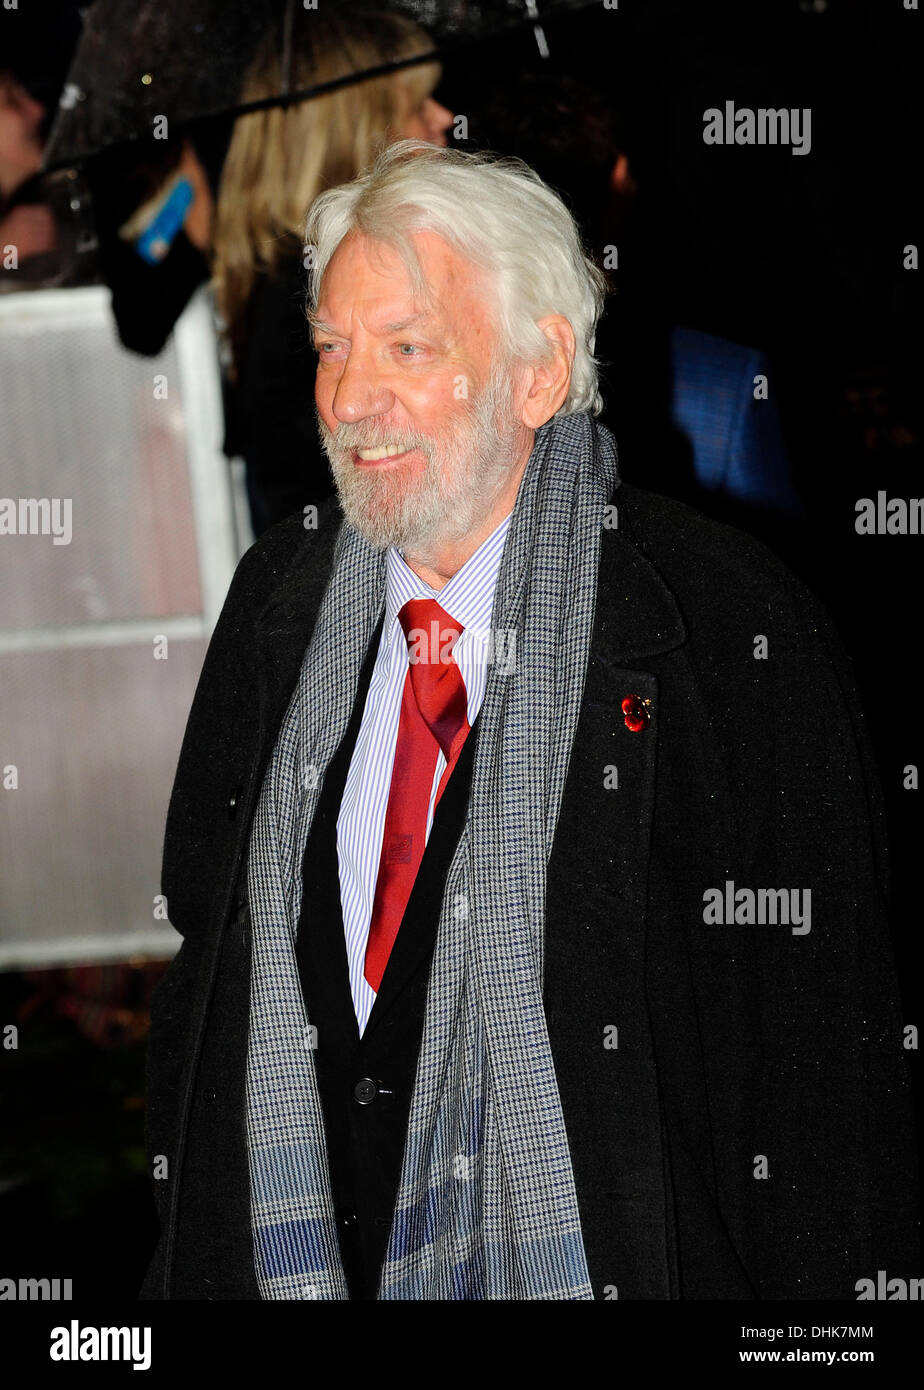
{"x":142,"y":61}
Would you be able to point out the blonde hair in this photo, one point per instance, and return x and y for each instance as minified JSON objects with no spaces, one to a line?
{"x":279,"y":159}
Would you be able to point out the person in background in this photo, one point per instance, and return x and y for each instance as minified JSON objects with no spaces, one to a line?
{"x":716,"y":445}
{"x":252,"y":180}
{"x":27,"y":226}
{"x":149,"y":295}
{"x":278,"y":160}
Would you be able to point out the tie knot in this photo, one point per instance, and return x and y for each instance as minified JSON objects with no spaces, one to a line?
{"x":435,"y":679}
{"x":429,"y":631}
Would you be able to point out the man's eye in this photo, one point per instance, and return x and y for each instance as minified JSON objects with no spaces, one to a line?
{"x":412,"y":346}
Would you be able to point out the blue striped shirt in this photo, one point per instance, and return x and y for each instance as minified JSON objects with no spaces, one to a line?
{"x":468,"y":598}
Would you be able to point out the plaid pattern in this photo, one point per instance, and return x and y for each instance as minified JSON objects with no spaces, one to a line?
{"x":486,"y":1206}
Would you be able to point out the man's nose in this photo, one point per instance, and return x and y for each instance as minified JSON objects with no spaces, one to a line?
{"x":360,"y":392}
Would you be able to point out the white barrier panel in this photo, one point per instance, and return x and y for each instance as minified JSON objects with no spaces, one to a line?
{"x":117,"y":545}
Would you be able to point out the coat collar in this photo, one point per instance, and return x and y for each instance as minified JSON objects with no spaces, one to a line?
{"x":637,"y":614}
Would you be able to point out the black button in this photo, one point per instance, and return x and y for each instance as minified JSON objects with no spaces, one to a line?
{"x":348,"y":1221}
{"x":365,"y":1091}
{"x":234,"y":801}
{"x":209,"y":1093}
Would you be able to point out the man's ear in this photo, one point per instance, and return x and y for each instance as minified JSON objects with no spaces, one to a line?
{"x":549,"y":382}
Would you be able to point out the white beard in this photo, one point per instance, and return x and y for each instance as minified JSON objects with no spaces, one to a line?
{"x":467,"y":467}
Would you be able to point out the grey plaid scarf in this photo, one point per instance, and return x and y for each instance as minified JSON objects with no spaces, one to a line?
{"x":486,"y":1206}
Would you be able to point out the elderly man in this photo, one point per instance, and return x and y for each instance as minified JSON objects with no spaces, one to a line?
{"x":524,"y":843}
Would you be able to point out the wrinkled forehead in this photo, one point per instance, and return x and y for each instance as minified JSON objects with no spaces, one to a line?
{"x":421,"y":279}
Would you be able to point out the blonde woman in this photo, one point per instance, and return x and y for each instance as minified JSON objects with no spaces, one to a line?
{"x":277,"y":161}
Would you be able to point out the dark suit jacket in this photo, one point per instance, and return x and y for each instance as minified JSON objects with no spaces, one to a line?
{"x":749,"y":1135}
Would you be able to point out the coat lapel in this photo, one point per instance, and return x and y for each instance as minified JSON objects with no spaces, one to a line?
{"x":594,"y":982}
{"x":417,"y":935}
{"x":287,"y":619}
{"x":637,"y":615}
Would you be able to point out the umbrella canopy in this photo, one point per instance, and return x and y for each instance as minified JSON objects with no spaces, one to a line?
{"x":183,"y":60}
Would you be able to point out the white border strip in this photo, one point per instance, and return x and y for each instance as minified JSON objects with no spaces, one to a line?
{"x":127,"y":633}
{"x":148,"y":943}
{"x":209,"y":471}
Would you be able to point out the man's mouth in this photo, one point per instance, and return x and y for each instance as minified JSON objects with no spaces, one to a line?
{"x":385,"y":453}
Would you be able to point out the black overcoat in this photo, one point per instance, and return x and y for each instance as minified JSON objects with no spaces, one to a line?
{"x":735,"y":1094}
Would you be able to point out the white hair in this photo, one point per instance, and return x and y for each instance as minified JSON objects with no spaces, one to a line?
{"x":496,"y":212}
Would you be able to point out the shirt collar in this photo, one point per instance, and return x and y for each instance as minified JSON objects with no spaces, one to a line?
{"x":468,"y":597}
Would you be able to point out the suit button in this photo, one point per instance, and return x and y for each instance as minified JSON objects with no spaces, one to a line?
{"x":234,"y":801}
{"x":209,"y":1093}
{"x":348,"y":1222}
{"x":365,"y":1091}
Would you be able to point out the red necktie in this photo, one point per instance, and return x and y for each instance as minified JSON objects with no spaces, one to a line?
{"x":434,"y":707}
